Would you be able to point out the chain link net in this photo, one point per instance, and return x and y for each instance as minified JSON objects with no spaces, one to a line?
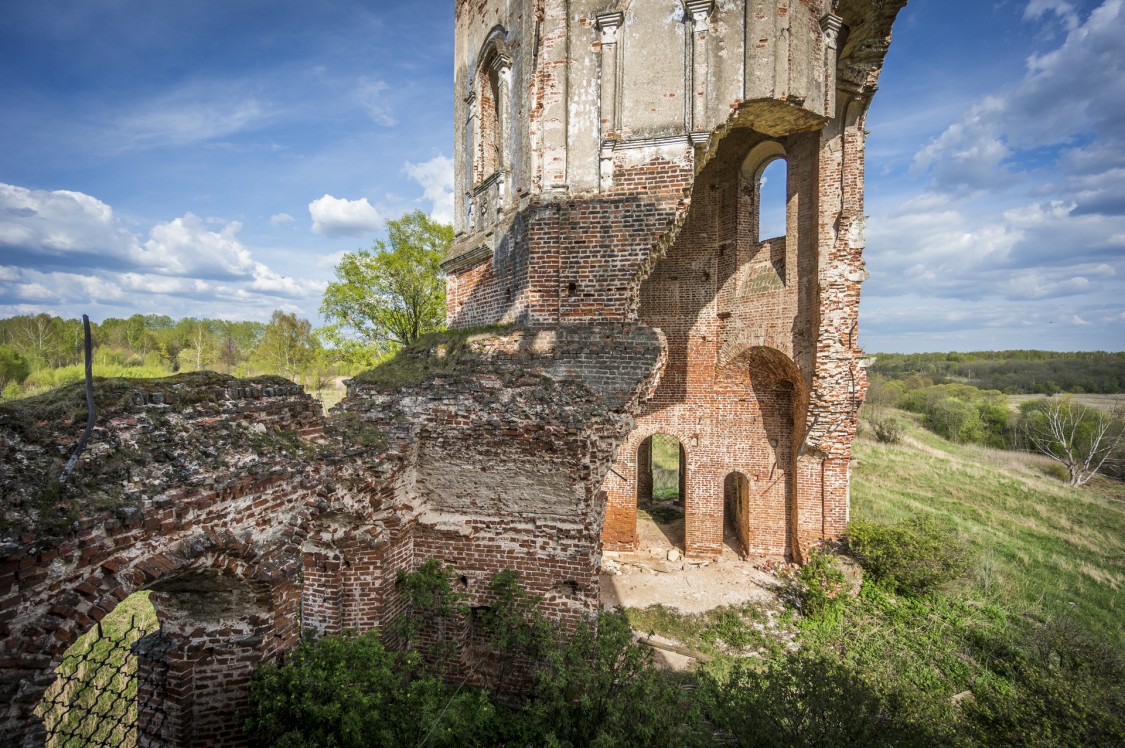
{"x":109,"y":689}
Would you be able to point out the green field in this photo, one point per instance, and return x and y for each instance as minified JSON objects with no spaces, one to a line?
{"x":665,"y":467}
{"x":1041,"y":547}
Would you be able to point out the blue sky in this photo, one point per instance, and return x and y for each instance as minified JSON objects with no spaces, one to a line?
{"x":215,"y":158}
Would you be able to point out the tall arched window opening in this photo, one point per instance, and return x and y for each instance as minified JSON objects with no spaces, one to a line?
{"x":772,"y":195}
{"x":487,"y":156}
{"x":736,"y":512}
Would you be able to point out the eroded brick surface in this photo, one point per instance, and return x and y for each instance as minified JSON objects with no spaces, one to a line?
{"x":608,"y":213}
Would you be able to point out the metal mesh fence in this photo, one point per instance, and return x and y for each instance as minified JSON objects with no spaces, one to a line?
{"x":109,"y":689}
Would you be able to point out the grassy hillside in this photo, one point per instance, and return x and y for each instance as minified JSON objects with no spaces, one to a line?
{"x":1041,"y":547}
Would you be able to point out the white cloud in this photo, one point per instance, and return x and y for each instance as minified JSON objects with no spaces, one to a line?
{"x":436,"y":178}
{"x":1064,"y":10}
{"x":71,"y":227}
{"x":1016,"y":239}
{"x":280,"y":219}
{"x":69,"y":254}
{"x":185,"y":246}
{"x":333,"y":216}
{"x":194,"y":113}
{"x":370,"y":95}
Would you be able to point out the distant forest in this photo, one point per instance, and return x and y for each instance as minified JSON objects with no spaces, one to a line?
{"x":40,"y":352}
{"x":1012,"y":372}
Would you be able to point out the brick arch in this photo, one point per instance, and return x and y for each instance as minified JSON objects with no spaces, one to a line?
{"x":776,"y":378}
{"x":619,"y":528}
{"x":182,"y":511}
{"x":57,"y":612}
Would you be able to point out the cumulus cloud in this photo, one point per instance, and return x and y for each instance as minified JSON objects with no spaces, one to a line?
{"x":1019,"y":227}
{"x":186,"y":246}
{"x":60,"y":226}
{"x":334,"y":216}
{"x":1068,"y":111}
{"x":436,"y":178}
{"x":68,"y":248}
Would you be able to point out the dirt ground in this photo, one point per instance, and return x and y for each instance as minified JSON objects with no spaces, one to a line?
{"x":658,"y":573}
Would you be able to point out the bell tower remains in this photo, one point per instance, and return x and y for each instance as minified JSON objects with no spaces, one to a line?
{"x":609,"y":168}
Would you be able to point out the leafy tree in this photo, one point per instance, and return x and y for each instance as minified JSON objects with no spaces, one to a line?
{"x":391,"y":295}
{"x":287,"y":346}
{"x":14,"y":368}
{"x":1080,"y":438}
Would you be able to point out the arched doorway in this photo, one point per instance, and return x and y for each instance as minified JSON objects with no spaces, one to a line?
{"x":662,"y":485}
{"x":736,"y":512}
{"x":108,"y":688}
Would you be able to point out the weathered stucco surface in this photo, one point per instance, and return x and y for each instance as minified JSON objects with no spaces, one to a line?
{"x":608,"y":157}
{"x":650,"y":217}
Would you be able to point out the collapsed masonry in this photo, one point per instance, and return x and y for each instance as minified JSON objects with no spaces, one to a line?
{"x":610,"y":162}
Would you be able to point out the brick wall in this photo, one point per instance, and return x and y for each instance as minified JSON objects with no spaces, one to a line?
{"x":235,"y":516}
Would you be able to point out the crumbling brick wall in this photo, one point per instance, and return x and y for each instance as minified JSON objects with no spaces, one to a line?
{"x":203,"y":495}
{"x":618,"y":235}
{"x":634,"y":197}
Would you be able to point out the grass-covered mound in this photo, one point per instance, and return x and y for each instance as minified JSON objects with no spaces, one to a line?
{"x":135,"y":450}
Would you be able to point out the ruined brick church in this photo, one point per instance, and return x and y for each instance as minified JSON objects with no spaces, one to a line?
{"x":610,"y":280}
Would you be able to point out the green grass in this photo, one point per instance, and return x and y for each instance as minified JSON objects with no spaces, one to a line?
{"x":750,"y":629}
{"x":94,"y":696}
{"x":665,"y":467}
{"x":436,"y":353}
{"x":661,"y":515}
{"x":1041,"y":548}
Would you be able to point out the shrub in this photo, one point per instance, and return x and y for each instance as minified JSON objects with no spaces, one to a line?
{"x":821,"y":585}
{"x":889,"y":429}
{"x":912,"y":557}
{"x":809,"y":698}
{"x":350,"y":691}
{"x":1063,"y":688}
{"x":593,"y":685}
{"x":599,"y":687}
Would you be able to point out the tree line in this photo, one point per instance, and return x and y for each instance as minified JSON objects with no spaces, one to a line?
{"x":380,"y":300}
{"x":1082,"y":439}
{"x":1012,"y":372}
{"x":38,"y":352}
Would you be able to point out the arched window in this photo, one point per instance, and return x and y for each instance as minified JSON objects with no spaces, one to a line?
{"x":772,"y":194}
{"x":487,"y":155}
{"x":489,"y":108}
{"x":764,"y":192}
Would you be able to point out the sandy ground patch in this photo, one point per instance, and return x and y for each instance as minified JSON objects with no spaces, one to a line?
{"x":658,"y":573}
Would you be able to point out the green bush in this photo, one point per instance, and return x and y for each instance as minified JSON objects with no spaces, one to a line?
{"x":593,"y":685}
{"x":822,"y":586}
{"x":599,"y":687}
{"x":911,"y":557}
{"x":1063,"y":687}
{"x":889,"y":429}
{"x":810,"y":698}
{"x":351,"y":692}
